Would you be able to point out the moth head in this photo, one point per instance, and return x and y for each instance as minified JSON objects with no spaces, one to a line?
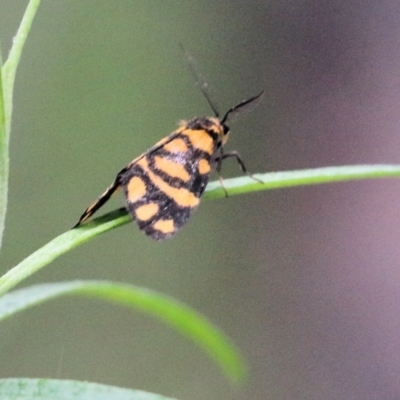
{"x":220,"y":129}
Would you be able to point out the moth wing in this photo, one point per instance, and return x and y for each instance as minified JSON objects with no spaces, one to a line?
{"x":99,"y":202}
{"x":165,"y":184}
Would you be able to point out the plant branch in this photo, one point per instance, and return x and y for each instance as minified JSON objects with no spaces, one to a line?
{"x":7,"y":78}
{"x":274,"y":180}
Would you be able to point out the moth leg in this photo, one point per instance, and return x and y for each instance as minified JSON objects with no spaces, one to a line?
{"x":99,"y":202}
{"x":236,"y":155}
{"x":218,"y":167}
{"x":221,"y":182}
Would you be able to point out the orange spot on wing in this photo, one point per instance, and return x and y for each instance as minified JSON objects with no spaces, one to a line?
{"x":165,"y":226}
{"x":136,"y":189}
{"x":145,"y":212}
{"x":182,"y":196}
{"x":171,"y":168}
{"x":200,"y":139}
{"x":204,"y":166}
{"x":143,"y":164}
{"x":176,"y":146}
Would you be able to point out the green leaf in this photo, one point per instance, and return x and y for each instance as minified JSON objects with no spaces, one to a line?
{"x":10,"y":66}
{"x":177,"y":315}
{"x":7,"y":78}
{"x":56,"y":247}
{"x":55,"y":389}
{"x":4,"y":160}
{"x":272,"y":180}
{"x":303,"y":177}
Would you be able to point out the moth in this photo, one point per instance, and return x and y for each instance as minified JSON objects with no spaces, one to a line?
{"x":164,"y":185}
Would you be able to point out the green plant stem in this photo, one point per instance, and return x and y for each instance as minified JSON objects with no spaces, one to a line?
{"x":7,"y":78}
{"x":4,"y":160}
{"x":10,"y":66}
{"x":273,"y":180}
{"x":302,"y":177}
{"x":56,"y":247}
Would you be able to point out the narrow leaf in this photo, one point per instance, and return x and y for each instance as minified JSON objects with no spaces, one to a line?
{"x":7,"y":78}
{"x":10,"y":66}
{"x":272,"y":180}
{"x":55,"y":389}
{"x":4,"y":160}
{"x":179,"y":316}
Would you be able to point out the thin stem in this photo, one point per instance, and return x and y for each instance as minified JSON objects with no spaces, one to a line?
{"x":274,"y":180}
{"x":4,"y":160}
{"x":10,"y":66}
{"x":7,"y":78}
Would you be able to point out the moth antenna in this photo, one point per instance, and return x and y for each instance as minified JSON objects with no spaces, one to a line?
{"x":241,"y":106}
{"x":199,"y":79}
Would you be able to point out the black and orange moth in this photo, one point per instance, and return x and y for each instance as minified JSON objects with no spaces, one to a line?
{"x":165,"y":184}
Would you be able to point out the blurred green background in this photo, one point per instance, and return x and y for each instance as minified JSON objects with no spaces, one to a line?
{"x":306,"y":281}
